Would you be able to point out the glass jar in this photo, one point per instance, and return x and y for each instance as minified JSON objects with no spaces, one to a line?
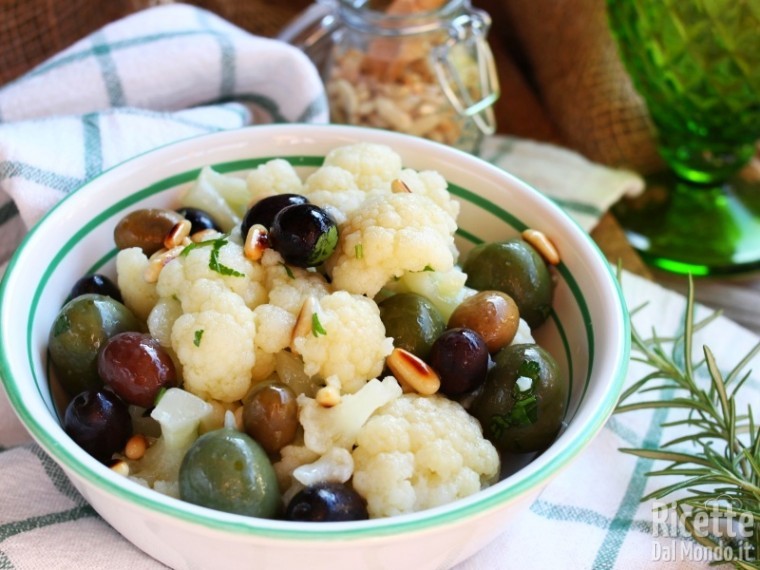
{"x":421,"y":67}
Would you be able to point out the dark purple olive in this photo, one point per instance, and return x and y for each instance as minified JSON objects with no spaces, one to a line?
{"x":199,"y":220}
{"x":264,"y":211}
{"x":327,"y":502}
{"x":460,"y":357}
{"x":99,"y":422}
{"x":304,"y":235}
{"x":136,"y":367}
{"x":95,"y":283}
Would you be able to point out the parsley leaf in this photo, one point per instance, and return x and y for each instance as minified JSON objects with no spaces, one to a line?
{"x":289,"y":271}
{"x":213,"y":261}
{"x":198,"y":337}
{"x":316,"y":327}
{"x":359,"y":251}
{"x":524,"y":411}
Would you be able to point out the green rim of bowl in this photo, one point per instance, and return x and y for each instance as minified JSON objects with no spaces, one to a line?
{"x":153,"y":501}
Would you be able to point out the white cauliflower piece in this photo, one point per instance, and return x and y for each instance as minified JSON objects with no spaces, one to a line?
{"x":523,"y":335}
{"x":274,"y":177}
{"x":161,"y":320}
{"x":222,"y":261}
{"x":388,"y":236}
{"x":431,"y":184}
{"x":274,"y":327}
{"x":290,"y":286}
{"x":351,"y":344}
{"x":444,"y":289}
{"x":334,"y":189}
{"x":139,"y":295}
{"x":179,"y":413}
{"x":373,"y":166}
{"x":335,"y":466}
{"x":420,"y":452}
{"x":223,"y":197}
{"x":291,"y":457}
{"x":214,"y":341}
{"x":325,"y":428}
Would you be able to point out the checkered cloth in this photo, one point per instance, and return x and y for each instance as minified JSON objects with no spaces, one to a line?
{"x":174,"y":72}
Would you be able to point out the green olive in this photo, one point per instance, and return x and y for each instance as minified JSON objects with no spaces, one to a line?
{"x":145,"y":228}
{"x":412,"y":321}
{"x":228,"y":471}
{"x":81,"y":327}
{"x":522,"y":403}
{"x":492,"y":314}
{"x":270,"y":415}
{"x":516,"y":269}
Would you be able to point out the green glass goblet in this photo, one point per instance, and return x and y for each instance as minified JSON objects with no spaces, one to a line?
{"x":696,"y":63}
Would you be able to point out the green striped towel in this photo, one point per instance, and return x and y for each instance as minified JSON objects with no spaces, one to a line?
{"x":176,"y":71}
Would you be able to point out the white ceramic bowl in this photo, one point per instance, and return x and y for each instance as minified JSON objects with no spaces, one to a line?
{"x":587,"y":333}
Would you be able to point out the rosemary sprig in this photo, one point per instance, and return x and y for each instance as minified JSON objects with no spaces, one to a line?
{"x":717,"y":465}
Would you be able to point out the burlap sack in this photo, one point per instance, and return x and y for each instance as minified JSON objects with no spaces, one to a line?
{"x":33,"y":30}
{"x":572,"y":63}
{"x":580,"y":79}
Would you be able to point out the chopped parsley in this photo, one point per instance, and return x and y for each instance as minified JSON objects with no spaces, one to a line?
{"x":359,"y":251}
{"x":428,"y":268}
{"x":524,"y":411}
{"x":198,"y":337}
{"x":289,"y":271}
{"x":213,"y":261}
{"x":160,"y":395}
{"x":316,"y":327}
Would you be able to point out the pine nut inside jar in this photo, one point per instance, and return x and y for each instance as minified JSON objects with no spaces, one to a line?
{"x":421,"y":67}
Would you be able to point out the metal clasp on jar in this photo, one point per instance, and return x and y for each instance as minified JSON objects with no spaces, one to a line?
{"x":469,"y":30}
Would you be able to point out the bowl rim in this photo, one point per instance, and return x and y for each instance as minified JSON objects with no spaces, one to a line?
{"x":475,"y":505}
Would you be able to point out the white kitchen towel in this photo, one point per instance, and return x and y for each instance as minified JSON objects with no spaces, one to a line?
{"x":176,"y":71}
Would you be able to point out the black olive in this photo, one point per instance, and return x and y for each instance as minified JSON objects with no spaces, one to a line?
{"x":264,"y":211}
{"x":304,"y":235}
{"x":460,"y":357}
{"x":199,"y":220}
{"x":327,"y":502}
{"x":95,"y":283}
{"x":99,"y":422}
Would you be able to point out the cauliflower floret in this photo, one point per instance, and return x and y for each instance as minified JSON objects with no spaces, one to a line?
{"x":274,"y":327}
{"x":431,"y":184}
{"x":373,"y":166}
{"x":419,"y":452}
{"x":523,"y":335}
{"x":335,"y":466}
{"x":139,"y":295}
{"x":274,"y":177}
{"x":444,"y":289}
{"x":219,"y":260}
{"x":179,"y":413}
{"x":325,"y":428}
{"x":214,"y":342}
{"x":291,"y":457}
{"x":223,"y":197}
{"x":290,"y":286}
{"x":388,"y":236}
{"x":351,"y":344}
{"x":161,"y":320}
{"x":335,"y":190}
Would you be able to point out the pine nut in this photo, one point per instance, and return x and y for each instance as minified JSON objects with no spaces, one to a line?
{"x":398,"y":186}
{"x":159,"y":260}
{"x":328,"y":396}
{"x":413,"y":373}
{"x":256,"y":242}
{"x":177,"y":234}
{"x":121,"y":467}
{"x":542,"y":245}
{"x":136,"y":447}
